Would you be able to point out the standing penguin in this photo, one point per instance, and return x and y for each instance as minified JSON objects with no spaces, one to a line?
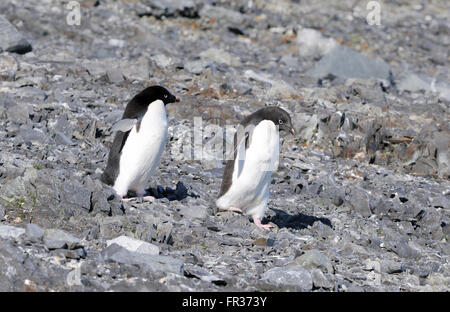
{"x":139,"y":142}
{"x":247,"y":176}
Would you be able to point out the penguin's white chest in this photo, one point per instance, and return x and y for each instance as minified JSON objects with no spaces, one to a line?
{"x":143,"y":149}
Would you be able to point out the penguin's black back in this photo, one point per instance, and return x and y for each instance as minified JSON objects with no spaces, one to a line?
{"x":272,"y":113}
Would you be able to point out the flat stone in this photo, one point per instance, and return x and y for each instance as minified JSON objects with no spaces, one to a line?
{"x":56,"y":239}
{"x":134,"y":245}
{"x":7,"y":231}
{"x":315,"y":259}
{"x":296,"y":277}
{"x":154,"y":263}
{"x":344,"y":62}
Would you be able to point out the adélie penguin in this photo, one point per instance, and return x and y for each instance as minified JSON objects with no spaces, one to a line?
{"x":139,"y":142}
{"x":247,"y":175}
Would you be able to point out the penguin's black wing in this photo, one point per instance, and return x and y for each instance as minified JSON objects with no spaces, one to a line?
{"x":234,"y":166}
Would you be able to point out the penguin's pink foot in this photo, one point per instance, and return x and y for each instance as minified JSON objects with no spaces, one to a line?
{"x":147,"y":198}
{"x":235,"y":209}
{"x":127,"y":199}
{"x":258,"y":223}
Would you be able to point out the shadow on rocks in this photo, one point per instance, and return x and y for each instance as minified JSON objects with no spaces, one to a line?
{"x":179,"y":193}
{"x":297,"y":222}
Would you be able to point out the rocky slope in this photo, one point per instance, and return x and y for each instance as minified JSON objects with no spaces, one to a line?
{"x":361,"y":200}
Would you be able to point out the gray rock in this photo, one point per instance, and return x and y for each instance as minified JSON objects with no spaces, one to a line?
{"x":195,"y":67}
{"x":34,"y":233}
{"x":8,"y":67}
{"x":10,"y":38}
{"x":153,"y":263}
{"x":319,"y":279}
{"x":359,"y":200}
{"x":296,"y":277}
{"x":134,"y":245}
{"x":344,"y":62}
{"x":315,"y":259}
{"x":203,"y":274}
{"x":7,"y":231}
{"x":58,"y":239}
{"x":391,"y":267}
{"x":194,"y":211}
{"x":115,"y":75}
{"x":405,"y":251}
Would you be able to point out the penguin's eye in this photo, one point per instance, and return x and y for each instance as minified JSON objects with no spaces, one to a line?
{"x":165,"y":96}
{"x":280,"y":122}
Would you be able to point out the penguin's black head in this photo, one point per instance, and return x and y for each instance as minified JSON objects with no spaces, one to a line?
{"x":275,"y":114}
{"x":154,"y":93}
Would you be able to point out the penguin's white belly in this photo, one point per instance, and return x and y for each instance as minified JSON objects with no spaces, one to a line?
{"x":142,"y":151}
{"x":250,"y":187}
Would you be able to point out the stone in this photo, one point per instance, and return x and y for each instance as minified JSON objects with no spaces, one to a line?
{"x":219,"y":56}
{"x":296,"y":277}
{"x":344,"y":62}
{"x":8,"y":67}
{"x":195,"y":67}
{"x":193,"y":210}
{"x":319,"y":279}
{"x":7,"y":232}
{"x":281,"y":90}
{"x":153,"y":263}
{"x":115,"y":75}
{"x":134,"y":245}
{"x":59,"y":239}
{"x":34,"y":232}
{"x":162,"y":61}
{"x":203,"y":274}
{"x":11,"y":40}
{"x":315,"y":259}
{"x":359,"y":200}
{"x":403,"y":250}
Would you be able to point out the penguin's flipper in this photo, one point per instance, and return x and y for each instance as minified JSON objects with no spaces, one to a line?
{"x":124,"y":125}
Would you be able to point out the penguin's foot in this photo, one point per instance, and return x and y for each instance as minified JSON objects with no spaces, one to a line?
{"x":235,"y":209}
{"x":258,"y":223}
{"x":127,"y":199}
{"x":147,"y":198}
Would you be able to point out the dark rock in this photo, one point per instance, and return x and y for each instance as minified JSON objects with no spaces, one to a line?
{"x":170,"y":8}
{"x":79,"y":253}
{"x":11,"y":40}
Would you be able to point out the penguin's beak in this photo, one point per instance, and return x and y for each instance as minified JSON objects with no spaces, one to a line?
{"x":177,"y":100}
{"x":294,"y":133}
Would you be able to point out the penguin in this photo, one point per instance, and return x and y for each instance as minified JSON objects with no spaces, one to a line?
{"x":247,"y":176}
{"x":138,"y":143}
